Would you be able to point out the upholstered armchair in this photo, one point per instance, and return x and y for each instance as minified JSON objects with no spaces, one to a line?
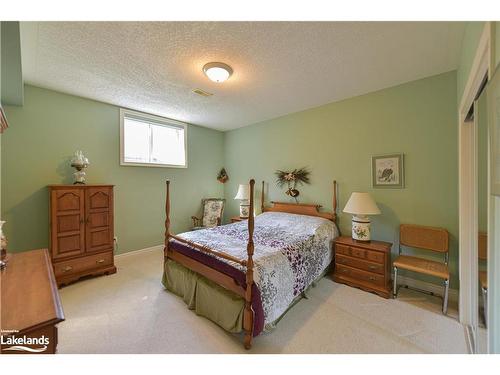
{"x":213,"y":209}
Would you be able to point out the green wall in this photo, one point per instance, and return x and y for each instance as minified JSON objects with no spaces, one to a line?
{"x":470,"y":42}
{"x":11,"y":69}
{"x":42,"y":137}
{"x":336,"y":141}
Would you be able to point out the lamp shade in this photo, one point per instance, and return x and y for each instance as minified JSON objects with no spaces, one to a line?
{"x":361,"y":204}
{"x":243,"y":192}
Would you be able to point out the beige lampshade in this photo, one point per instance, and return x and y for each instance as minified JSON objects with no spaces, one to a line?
{"x":243,"y":192}
{"x":361,"y":204}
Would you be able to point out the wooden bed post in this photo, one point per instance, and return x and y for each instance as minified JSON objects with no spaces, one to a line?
{"x":262,"y":199}
{"x":167,"y":220}
{"x":248,"y":314}
{"x":335,"y":201}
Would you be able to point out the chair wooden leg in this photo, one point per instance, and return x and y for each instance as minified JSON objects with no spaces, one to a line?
{"x":445,"y":298}
{"x":395,"y":283}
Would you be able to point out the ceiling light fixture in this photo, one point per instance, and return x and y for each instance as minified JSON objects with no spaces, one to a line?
{"x":217,"y":71}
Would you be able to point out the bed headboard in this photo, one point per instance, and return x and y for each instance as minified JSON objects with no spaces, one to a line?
{"x":301,"y":208}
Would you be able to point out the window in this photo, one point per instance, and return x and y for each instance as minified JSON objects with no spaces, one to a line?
{"x":147,"y":140}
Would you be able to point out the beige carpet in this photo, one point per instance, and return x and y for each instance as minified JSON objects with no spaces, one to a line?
{"x":130,"y":312}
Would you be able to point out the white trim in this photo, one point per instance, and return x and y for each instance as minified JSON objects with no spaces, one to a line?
{"x":156,"y":119}
{"x":467,"y":191}
{"x":136,"y":252}
{"x":469,"y":338}
{"x":493,"y":331}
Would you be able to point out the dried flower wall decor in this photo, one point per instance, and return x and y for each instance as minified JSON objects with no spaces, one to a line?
{"x":292,"y":179}
{"x":222,"y":176}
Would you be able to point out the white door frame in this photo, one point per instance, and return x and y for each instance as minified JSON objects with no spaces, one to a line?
{"x":493,"y":232}
{"x":467,"y":191}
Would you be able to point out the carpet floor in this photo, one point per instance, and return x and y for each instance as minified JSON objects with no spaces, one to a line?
{"x":130,"y":312}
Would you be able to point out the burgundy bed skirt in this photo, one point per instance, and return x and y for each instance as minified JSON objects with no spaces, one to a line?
{"x":236,"y":274}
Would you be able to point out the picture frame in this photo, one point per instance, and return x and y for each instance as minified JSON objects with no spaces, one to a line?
{"x":493,"y":98}
{"x":388,"y":171}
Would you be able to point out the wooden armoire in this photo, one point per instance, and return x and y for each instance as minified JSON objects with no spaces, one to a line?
{"x":81,"y":231}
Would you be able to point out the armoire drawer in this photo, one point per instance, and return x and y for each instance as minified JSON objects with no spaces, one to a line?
{"x":82,"y":264}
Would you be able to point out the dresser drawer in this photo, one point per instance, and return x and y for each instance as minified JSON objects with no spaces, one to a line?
{"x":361,"y":264}
{"x":357,"y":252}
{"x":83,"y":264}
{"x":360,"y":275}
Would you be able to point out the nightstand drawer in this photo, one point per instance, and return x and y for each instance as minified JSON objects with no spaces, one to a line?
{"x":342,"y":249}
{"x":360,"y":275}
{"x":361,"y":264}
{"x":356,"y":252}
{"x":373,"y":256}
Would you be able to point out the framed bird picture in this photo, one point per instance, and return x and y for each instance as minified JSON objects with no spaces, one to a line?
{"x":388,"y":171}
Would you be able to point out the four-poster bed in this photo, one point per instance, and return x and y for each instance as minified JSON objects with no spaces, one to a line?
{"x":225,"y":256}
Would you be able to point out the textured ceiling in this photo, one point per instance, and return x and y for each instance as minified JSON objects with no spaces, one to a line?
{"x":279,"y":67}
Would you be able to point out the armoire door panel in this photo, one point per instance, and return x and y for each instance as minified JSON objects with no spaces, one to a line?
{"x":69,"y":244}
{"x":98,"y":198}
{"x":99,"y":238}
{"x":68,"y":200}
{"x":68,"y":223}
{"x":99,"y":219}
{"x":99,"y":223}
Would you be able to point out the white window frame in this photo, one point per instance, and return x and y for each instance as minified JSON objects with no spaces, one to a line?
{"x":157,"y":120}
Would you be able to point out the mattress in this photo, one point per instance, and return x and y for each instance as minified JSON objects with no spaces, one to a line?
{"x":291,"y":252}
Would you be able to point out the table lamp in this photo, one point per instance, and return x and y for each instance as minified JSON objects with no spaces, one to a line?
{"x":360,"y":205}
{"x":243,"y":195}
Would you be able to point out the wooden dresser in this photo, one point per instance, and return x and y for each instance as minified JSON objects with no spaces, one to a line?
{"x":81,"y":231}
{"x":365,"y":265}
{"x":30,"y":304}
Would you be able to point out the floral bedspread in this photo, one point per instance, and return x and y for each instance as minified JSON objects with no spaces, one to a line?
{"x":291,"y":251}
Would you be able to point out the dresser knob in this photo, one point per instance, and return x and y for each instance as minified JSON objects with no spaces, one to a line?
{"x":100,"y":261}
{"x":373,"y":278}
{"x":67,"y":268}
{"x":373,"y":267}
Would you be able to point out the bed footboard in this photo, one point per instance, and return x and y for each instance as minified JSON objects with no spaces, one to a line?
{"x":214,"y":275}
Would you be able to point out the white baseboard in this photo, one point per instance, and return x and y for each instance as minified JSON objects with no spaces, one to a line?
{"x":145,"y":250}
{"x":431,"y":287}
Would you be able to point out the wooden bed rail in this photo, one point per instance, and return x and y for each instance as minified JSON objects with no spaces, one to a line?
{"x":206,"y":249}
{"x":248,"y":313}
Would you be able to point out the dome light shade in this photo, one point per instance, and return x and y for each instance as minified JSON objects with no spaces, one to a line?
{"x":217,"y":71}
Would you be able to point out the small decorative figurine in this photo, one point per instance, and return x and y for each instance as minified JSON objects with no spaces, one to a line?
{"x":292,"y":179}
{"x":79,"y":162}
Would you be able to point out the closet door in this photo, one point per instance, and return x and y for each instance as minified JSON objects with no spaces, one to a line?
{"x":68,"y":222}
{"x":99,"y":218}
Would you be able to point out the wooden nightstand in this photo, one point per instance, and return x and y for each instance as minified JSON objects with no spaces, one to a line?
{"x":235,"y":219}
{"x":365,"y":265}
